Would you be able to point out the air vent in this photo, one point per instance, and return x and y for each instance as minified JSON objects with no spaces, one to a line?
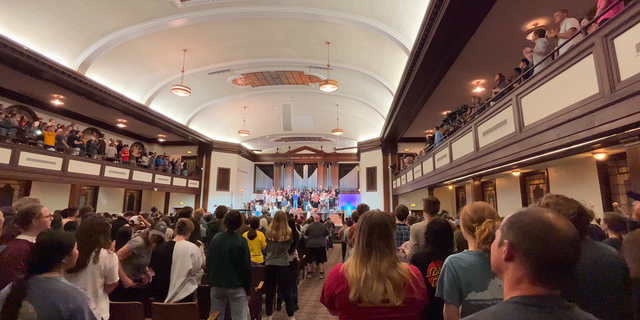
{"x":287,"y":124}
{"x":219,"y":72}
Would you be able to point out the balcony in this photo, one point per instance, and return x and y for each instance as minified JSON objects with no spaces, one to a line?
{"x":24,"y":162}
{"x":588,"y":96}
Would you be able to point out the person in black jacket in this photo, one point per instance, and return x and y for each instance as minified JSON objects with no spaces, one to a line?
{"x":216,"y":226}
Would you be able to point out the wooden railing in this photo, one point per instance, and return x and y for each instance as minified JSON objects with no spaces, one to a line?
{"x":589,"y":94}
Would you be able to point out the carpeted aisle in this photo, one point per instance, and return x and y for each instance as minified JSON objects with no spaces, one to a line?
{"x":309,"y":292}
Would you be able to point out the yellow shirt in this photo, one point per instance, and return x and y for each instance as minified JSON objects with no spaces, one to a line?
{"x":49,"y":138}
{"x":256,"y":245}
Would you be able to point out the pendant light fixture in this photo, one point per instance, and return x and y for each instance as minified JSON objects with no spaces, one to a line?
{"x":181,"y":89}
{"x":244,"y":132}
{"x":328,"y":85}
{"x":337,"y":131}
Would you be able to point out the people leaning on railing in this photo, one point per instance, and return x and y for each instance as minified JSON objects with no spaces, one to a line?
{"x":568,"y":33}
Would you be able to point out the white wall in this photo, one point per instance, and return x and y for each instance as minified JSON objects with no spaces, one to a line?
{"x":508,"y":194}
{"x":110,"y":200}
{"x":54,"y":196}
{"x":152,"y":199}
{"x":414,"y":197}
{"x":578,"y":179}
{"x":244,"y":180}
{"x":447,"y":199}
{"x":176,"y":198}
{"x":242,"y":171}
{"x":375,"y":200}
{"x":177,"y":151}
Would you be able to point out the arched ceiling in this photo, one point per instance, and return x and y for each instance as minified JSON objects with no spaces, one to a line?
{"x":135,"y":48}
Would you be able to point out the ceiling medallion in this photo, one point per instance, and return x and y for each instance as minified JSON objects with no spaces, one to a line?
{"x":244,"y":132}
{"x":328,"y":85}
{"x":180,"y":89}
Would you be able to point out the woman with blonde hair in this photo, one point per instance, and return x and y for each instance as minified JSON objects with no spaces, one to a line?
{"x":467,"y":284}
{"x":373,"y":283}
{"x":279,"y":241}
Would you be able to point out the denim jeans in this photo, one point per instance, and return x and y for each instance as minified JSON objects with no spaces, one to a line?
{"x":238,"y":302}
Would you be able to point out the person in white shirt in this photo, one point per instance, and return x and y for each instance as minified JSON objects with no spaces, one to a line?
{"x":567,"y":28}
{"x":176,"y":265}
{"x":540,"y":51}
{"x":96,"y":270}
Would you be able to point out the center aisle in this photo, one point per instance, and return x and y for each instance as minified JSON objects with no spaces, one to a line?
{"x":309,"y":292}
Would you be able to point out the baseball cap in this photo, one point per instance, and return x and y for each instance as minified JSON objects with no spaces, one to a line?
{"x":633,"y":195}
{"x":159,"y":229}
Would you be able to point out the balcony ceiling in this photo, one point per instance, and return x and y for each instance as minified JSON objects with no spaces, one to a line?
{"x":135,"y":48}
{"x":495,"y":47}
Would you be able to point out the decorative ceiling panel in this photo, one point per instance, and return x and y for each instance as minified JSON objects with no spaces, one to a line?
{"x":275,"y":78}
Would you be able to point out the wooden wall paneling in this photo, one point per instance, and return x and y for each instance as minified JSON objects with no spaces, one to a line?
{"x":386,"y":181}
{"x":74,"y":195}
{"x":167,"y":200}
{"x":223,"y":180}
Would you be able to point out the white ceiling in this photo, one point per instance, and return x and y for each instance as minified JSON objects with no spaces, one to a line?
{"x":135,"y":48}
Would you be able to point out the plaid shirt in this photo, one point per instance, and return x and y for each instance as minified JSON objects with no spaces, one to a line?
{"x":402,"y":234}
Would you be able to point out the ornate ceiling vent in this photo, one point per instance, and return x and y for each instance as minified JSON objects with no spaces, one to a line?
{"x":275,"y":78}
{"x":302,"y":139}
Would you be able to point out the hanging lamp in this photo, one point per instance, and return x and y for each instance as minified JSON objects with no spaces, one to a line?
{"x":337,"y":131}
{"x":244,"y":132}
{"x":328,"y":85}
{"x":180,"y":89}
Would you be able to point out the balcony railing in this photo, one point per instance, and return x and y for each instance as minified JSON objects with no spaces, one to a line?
{"x":588,"y":92}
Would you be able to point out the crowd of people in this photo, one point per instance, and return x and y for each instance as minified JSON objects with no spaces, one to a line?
{"x":135,"y":257}
{"x":568,"y":32}
{"x":296,"y":201}
{"x":537,"y":263}
{"x":52,"y":136}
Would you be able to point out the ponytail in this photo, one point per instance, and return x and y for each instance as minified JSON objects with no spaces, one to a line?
{"x":254,"y":223}
{"x":47,"y":254}
{"x":13,"y":302}
{"x":485,"y":234}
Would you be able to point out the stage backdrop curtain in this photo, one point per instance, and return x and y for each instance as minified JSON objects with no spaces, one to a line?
{"x":348,"y":177}
{"x":264,"y":180}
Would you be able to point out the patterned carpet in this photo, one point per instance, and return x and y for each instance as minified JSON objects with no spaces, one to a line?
{"x":309,"y":292}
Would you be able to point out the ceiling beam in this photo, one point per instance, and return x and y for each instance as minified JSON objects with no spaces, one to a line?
{"x":445,"y":31}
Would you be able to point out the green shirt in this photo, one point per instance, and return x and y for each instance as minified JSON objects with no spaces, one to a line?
{"x":229,"y":261}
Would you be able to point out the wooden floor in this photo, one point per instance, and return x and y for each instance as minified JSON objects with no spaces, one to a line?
{"x":309,"y":292}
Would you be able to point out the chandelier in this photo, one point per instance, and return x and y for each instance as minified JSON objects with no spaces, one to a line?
{"x":180,"y":89}
{"x":244,"y":132}
{"x":328,"y":85}
{"x":337,"y":131}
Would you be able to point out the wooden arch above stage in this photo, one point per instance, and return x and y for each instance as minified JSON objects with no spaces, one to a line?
{"x":307,"y":154}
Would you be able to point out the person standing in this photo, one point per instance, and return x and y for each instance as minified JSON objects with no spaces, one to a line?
{"x":96,"y":270}
{"x":279,"y":240}
{"x":256,"y":240}
{"x":373,"y":283}
{"x":176,"y":265}
{"x":615,"y":225}
{"x":539,"y":51}
{"x":316,"y":244}
{"x":402,"y":230}
{"x":32,"y":220}
{"x":535,"y":250}
{"x":600,"y":271}
{"x":44,"y":290}
{"x":467,"y":284}
{"x":430,"y":208}
{"x":439,"y":246}
{"x":567,"y":27}
{"x":229,"y":267}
